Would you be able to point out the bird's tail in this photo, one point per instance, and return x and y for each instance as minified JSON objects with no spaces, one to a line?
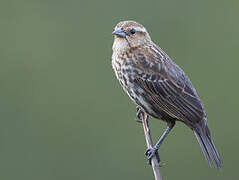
{"x":202,"y":132}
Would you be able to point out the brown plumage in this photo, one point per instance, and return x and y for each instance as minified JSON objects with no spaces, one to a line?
{"x":158,"y":86}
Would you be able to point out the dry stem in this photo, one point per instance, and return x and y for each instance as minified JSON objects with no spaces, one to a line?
{"x":149,"y":142}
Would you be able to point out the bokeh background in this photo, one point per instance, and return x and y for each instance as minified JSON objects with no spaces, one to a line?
{"x":63,"y":115}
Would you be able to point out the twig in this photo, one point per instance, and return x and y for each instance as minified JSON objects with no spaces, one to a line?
{"x":149,"y":142}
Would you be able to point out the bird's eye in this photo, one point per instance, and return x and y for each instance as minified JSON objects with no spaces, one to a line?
{"x":132,"y":31}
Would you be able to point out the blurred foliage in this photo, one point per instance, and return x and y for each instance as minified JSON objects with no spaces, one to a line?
{"x":64,"y":115}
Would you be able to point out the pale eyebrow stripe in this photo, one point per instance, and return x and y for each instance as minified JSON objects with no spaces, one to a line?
{"x":140,"y":29}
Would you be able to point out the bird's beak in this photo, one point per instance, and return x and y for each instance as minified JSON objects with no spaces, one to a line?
{"x":119,"y":32}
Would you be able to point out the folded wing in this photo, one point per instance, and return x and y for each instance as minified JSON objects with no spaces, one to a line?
{"x":167,"y":86}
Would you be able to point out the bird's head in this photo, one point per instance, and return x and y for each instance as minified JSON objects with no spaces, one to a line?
{"x":130,"y":34}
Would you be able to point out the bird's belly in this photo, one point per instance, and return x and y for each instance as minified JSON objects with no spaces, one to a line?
{"x":138,"y":96}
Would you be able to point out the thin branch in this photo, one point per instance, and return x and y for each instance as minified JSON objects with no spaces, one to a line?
{"x":149,"y":142}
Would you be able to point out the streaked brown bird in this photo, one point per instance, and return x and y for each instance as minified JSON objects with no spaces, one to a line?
{"x":158,"y":86}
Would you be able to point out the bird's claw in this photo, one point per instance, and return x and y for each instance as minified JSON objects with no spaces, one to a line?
{"x":139,"y":114}
{"x":150,"y":153}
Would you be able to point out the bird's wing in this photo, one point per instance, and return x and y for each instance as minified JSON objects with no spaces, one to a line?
{"x":167,"y":86}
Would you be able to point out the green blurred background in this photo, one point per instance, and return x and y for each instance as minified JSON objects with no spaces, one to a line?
{"x":63,"y":113}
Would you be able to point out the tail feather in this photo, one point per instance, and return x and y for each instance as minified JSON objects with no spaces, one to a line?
{"x":203,"y":147}
{"x":203,"y":135}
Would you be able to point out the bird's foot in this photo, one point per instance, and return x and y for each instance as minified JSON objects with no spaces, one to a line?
{"x":150,"y":153}
{"x":139,"y":114}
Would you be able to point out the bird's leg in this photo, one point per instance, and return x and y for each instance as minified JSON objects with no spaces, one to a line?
{"x":139,"y":114}
{"x":144,"y":120}
{"x":154,"y":150}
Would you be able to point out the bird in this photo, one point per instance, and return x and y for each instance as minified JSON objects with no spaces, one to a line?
{"x":159,"y":87}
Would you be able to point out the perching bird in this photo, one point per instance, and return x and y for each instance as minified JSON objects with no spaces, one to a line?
{"x":158,"y":86}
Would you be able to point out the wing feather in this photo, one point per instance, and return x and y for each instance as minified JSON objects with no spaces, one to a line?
{"x":167,"y":86}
